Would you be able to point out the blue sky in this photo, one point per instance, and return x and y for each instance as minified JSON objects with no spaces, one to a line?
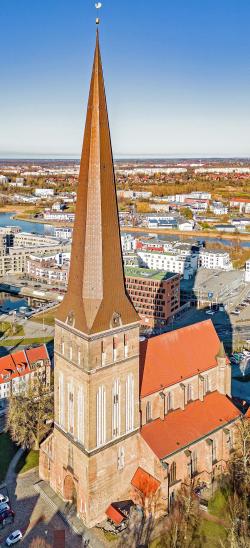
{"x":177,"y":75}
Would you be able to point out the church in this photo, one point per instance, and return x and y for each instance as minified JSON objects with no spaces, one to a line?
{"x":130,"y":418}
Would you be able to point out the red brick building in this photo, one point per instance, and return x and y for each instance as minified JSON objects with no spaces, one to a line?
{"x":155,"y":295}
{"x":130,"y":420}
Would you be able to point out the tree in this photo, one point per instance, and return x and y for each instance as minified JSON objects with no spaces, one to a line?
{"x":30,"y":414}
{"x":186,"y":212}
{"x":182,"y":527}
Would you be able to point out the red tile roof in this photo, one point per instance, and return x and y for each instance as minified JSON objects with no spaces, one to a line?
{"x":181,"y":428}
{"x":172,"y":357}
{"x":115,"y":514}
{"x":145,"y":483}
{"x":18,"y":364}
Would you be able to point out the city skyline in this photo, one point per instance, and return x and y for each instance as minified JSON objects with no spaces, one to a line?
{"x":188,"y":97}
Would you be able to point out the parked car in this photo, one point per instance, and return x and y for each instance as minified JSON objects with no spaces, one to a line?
{"x":3,"y":498}
{"x":4,"y":506}
{"x":7,"y":517}
{"x":14,"y":538}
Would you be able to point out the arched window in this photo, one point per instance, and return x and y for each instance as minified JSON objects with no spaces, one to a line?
{"x":169,"y":402}
{"x":189,"y":392}
{"x":80,"y":415}
{"x":172,"y":473}
{"x":148,"y":411}
{"x":194,"y":462}
{"x":70,"y":409}
{"x":206,"y":384}
{"x":101,"y":416}
{"x":130,"y":403}
{"x":116,"y":409}
{"x":61,"y":414}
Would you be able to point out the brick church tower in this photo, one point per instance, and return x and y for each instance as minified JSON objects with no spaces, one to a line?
{"x":93,"y":451}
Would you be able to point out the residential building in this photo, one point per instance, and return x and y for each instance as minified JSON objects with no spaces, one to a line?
{"x":215,"y":259}
{"x":172,"y":261}
{"x":44,"y":192}
{"x":46,"y":269}
{"x":17,"y":370}
{"x":50,"y":215}
{"x":63,"y":233}
{"x":154,"y":294}
{"x":128,"y":242}
{"x":247,"y":271}
{"x":243,"y":204}
{"x":218,"y":208}
{"x":187,"y":226}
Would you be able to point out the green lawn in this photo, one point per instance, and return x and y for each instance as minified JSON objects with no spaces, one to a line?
{"x":25,"y":342}
{"x":213,"y":535}
{"x":217,"y":504}
{"x":7,"y":452}
{"x":28,"y":461}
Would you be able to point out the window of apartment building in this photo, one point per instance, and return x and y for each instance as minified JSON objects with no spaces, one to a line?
{"x":148,"y":411}
{"x":116,"y":409}
{"x":129,"y":403}
{"x":101,"y":416}
{"x":172,"y":473}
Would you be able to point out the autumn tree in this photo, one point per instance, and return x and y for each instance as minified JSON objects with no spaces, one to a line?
{"x":30,"y":414}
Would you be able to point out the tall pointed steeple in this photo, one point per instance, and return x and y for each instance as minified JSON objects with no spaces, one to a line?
{"x":96,"y":297}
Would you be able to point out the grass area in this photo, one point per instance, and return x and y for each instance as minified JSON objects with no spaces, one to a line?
{"x":110,"y":537}
{"x":25,"y":342}
{"x":7,"y":452}
{"x":15,"y":329}
{"x":28,"y":461}
{"x":49,"y":317}
{"x":213,"y":535}
{"x":217,"y":504}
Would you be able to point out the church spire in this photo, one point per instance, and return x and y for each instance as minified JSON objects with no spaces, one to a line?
{"x":96,"y":299}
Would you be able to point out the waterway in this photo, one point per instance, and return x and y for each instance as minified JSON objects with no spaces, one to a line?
{"x":7,"y":219}
{"x":184,"y":237}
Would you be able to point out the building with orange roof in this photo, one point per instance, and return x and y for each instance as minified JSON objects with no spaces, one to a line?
{"x":130,"y":421}
{"x":17,"y":369}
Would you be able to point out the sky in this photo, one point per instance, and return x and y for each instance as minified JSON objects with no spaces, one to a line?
{"x":177,"y":76}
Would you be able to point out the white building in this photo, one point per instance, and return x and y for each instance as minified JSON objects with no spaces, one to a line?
{"x":63,"y":233}
{"x":187,"y":226}
{"x":128,"y":243}
{"x":219,"y":208}
{"x":247,"y":271}
{"x":58,"y":216}
{"x":183,"y":264}
{"x":44,"y":192}
{"x":214,"y":259}
{"x":3,"y":179}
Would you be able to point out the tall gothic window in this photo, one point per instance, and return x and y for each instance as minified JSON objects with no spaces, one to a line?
{"x":130,"y":403}
{"x":189,"y":392}
{"x":80,"y":415}
{"x":101,"y":416}
{"x":116,"y":409}
{"x":70,"y":409}
{"x":148,"y":411}
{"x":172,"y":473}
{"x":61,"y":400}
{"x":169,"y":404}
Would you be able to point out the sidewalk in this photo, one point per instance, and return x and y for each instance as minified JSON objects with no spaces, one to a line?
{"x":69,"y":517}
{"x":11,"y":472}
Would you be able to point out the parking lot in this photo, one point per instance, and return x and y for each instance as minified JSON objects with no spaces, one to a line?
{"x":33,"y":515}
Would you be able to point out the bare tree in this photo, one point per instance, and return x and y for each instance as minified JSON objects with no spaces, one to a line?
{"x":30,"y":414}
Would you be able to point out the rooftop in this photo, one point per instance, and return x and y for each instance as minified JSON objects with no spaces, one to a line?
{"x":178,"y":355}
{"x":148,"y":273}
{"x":181,"y":428}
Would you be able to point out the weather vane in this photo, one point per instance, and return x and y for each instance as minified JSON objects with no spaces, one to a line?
{"x":98,"y":6}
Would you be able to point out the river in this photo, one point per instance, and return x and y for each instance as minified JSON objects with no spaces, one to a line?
{"x":6,"y":219}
